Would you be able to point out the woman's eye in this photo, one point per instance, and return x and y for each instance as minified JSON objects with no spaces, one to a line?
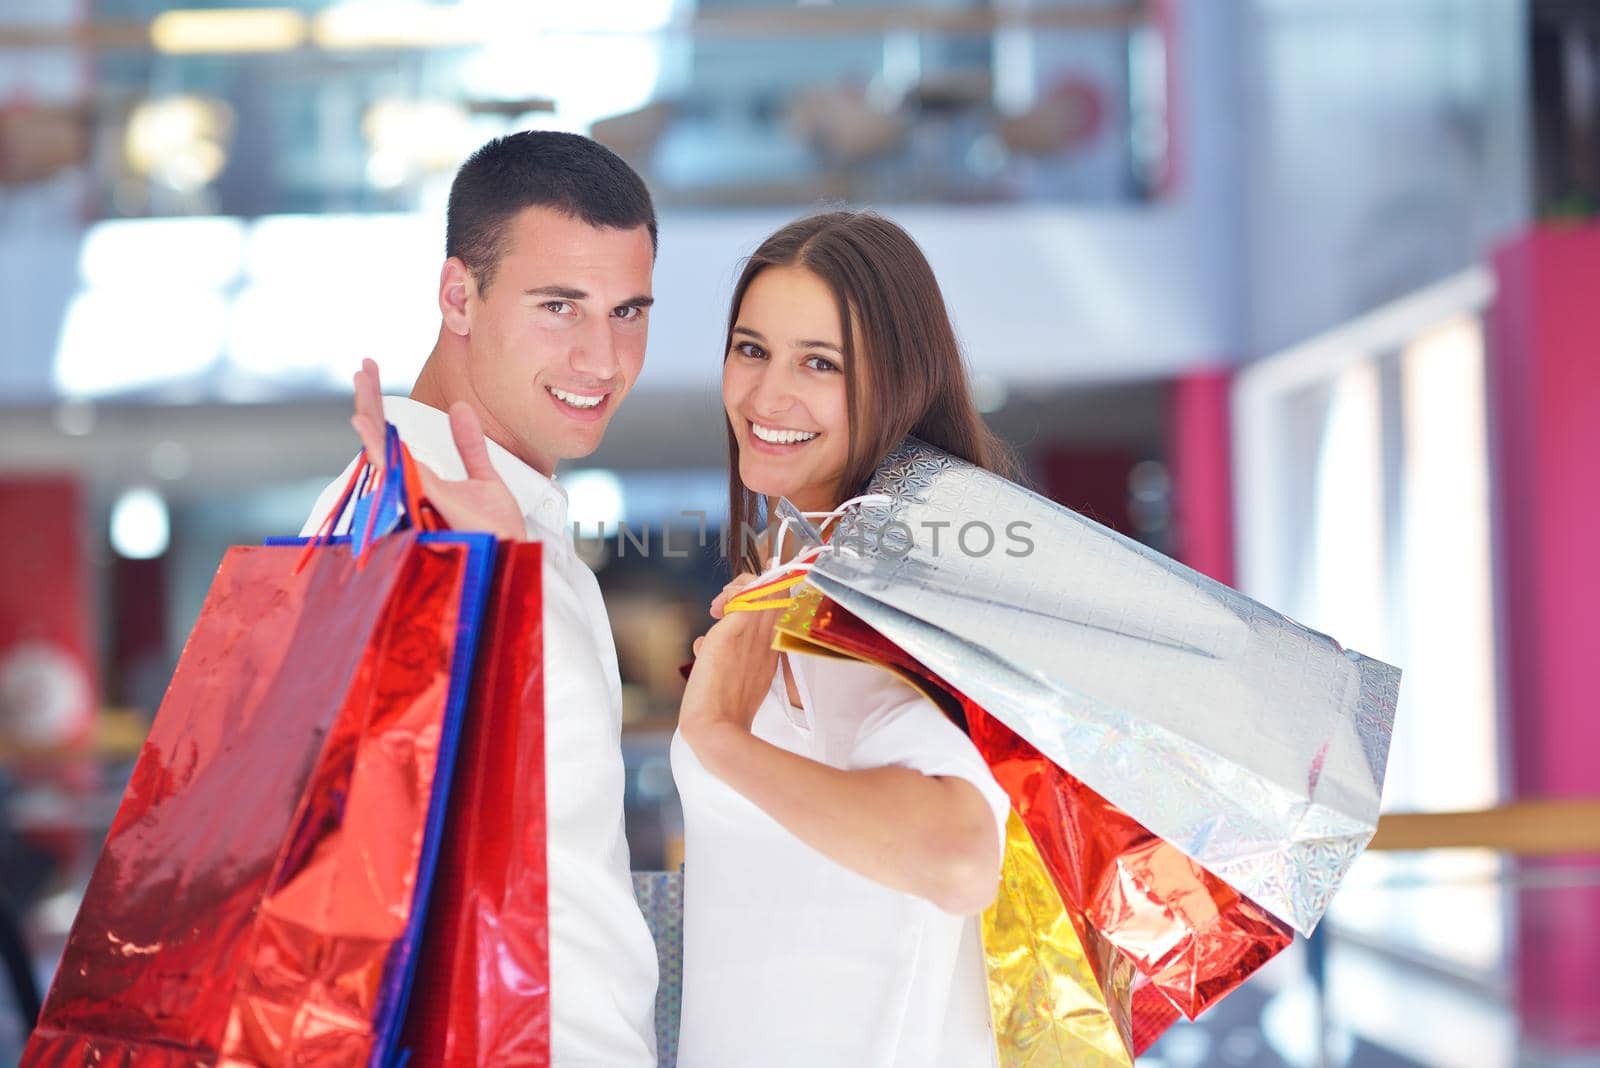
{"x":821,"y":364}
{"x":750,"y":349}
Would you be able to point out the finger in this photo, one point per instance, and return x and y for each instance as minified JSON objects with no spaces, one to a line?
{"x":471,"y":443}
{"x":369,"y":409}
{"x":719,"y":603}
{"x":369,"y":391}
{"x":371,"y":435}
{"x":698,"y":642}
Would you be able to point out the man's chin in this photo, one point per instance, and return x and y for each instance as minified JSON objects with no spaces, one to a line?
{"x":579,"y":454}
{"x":577,"y":446}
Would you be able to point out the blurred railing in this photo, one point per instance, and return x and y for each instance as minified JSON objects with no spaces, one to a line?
{"x":1456,"y":941}
{"x":221,"y":29}
{"x":370,"y":107}
{"x":1523,"y":828}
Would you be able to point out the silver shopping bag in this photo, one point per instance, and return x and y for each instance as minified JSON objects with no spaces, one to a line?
{"x":1255,"y":745}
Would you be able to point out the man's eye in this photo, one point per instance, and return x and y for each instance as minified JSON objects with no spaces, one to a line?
{"x":557,"y":306}
{"x":628,"y":313}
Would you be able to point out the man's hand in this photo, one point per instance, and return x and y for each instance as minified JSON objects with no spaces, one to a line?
{"x":481,"y":502}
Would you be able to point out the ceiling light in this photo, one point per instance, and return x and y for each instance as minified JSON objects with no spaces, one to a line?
{"x":245,"y":29}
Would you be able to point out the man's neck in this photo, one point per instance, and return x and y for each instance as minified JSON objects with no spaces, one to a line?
{"x":430,"y":387}
{"x":437,"y":387}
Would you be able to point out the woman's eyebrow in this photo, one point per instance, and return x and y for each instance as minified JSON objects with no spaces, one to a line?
{"x":802,"y":343}
{"x":811,"y":343}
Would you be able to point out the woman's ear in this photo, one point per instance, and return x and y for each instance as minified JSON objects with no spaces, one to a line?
{"x":457,"y":290}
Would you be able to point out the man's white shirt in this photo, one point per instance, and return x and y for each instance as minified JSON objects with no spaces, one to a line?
{"x":602,"y":961}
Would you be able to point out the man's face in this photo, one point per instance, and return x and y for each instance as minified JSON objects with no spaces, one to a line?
{"x":558,"y":339}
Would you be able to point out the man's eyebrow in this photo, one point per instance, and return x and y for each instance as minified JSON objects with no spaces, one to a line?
{"x":559,"y":292}
{"x":568,"y":293}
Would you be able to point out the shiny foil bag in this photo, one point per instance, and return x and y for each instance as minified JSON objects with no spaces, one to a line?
{"x":260,"y":894}
{"x":482,"y":996}
{"x":1101,"y":933}
{"x":1254,"y":745}
{"x":1057,"y":994}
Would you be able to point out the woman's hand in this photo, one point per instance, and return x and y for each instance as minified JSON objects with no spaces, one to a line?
{"x":480,"y":502}
{"x":719,"y":603}
{"x":733,"y":669}
{"x":926,"y":835}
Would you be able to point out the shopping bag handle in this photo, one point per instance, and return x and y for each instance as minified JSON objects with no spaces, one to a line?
{"x":364,"y":496}
{"x":780,"y":577}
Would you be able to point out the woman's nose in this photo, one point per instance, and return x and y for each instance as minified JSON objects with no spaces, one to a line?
{"x":774,"y":393}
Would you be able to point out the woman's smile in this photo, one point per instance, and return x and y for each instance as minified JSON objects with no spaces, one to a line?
{"x":779,"y":440}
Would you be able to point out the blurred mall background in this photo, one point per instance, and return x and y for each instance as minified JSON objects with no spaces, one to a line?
{"x":1304,"y":292}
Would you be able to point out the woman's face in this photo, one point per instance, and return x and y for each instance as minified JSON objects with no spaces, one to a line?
{"x":784,"y":389}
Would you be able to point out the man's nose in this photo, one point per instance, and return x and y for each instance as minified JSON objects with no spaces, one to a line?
{"x":595,"y":353}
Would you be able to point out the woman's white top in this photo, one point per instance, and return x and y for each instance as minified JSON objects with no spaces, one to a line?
{"x":791,"y":959}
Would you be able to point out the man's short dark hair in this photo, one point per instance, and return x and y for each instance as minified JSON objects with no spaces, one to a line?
{"x":538,"y":168}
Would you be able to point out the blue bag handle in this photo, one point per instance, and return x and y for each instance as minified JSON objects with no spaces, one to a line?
{"x":378,"y":504}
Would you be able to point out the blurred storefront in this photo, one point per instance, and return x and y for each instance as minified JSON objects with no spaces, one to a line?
{"x":1226,"y":275}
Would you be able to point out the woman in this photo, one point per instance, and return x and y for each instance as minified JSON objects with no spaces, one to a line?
{"x":841,"y":833}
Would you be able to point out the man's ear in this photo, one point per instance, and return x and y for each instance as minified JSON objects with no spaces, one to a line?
{"x":457,"y":290}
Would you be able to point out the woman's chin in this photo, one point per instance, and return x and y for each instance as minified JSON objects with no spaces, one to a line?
{"x":768,"y":487}
{"x":759,"y":478}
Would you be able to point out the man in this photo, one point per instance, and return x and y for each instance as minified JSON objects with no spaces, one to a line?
{"x":544,"y":297}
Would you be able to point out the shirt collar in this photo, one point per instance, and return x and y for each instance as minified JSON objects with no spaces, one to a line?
{"x":426,"y":431}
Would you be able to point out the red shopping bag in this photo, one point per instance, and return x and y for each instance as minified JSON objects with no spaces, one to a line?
{"x":259,"y":895}
{"x":483,"y":988}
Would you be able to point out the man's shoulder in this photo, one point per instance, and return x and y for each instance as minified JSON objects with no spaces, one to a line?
{"x":426,"y":432}
{"x":327,"y":499}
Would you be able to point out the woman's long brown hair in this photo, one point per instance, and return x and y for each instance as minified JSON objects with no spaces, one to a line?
{"x":904,"y":374}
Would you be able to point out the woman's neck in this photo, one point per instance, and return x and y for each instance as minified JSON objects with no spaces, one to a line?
{"x":820,"y":502}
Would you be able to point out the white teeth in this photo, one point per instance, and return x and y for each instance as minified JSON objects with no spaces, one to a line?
{"x":574,"y":399}
{"x":780,"y":437}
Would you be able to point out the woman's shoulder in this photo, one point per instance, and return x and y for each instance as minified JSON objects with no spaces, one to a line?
{"x":850,"y":694}
{"x":869,"y":716}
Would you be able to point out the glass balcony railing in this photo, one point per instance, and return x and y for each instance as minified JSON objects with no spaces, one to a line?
{"x":360,"y":106}
{"x":1492,"y":968}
